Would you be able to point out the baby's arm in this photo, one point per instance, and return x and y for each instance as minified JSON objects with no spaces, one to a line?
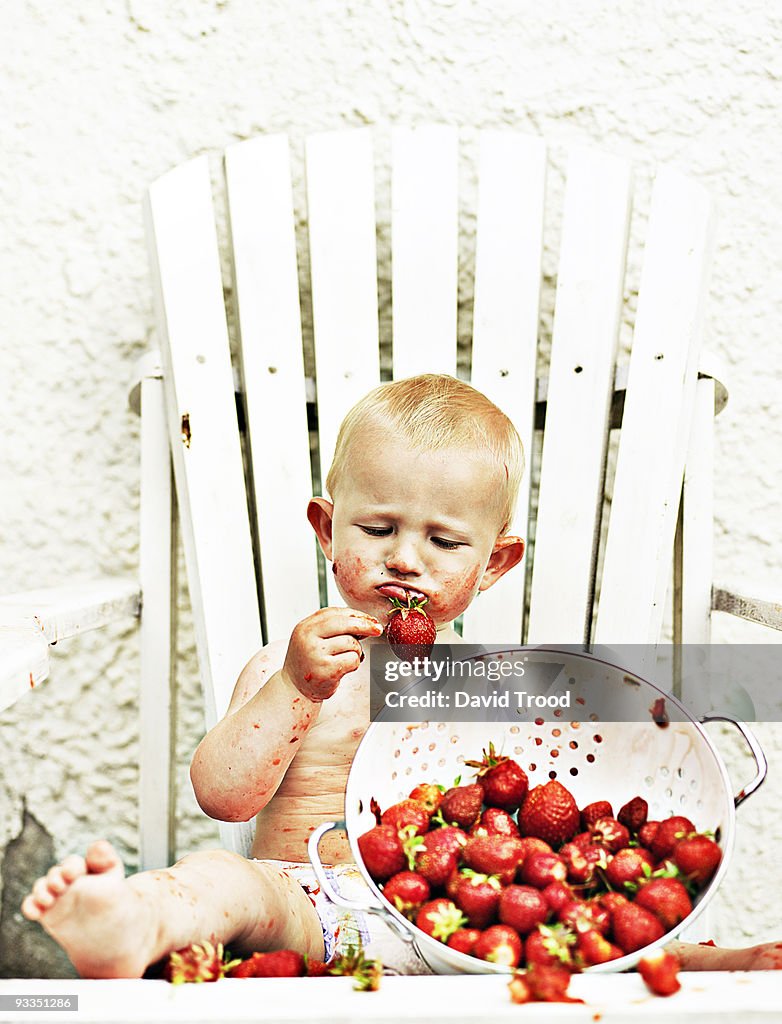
{"x":240,"y":763}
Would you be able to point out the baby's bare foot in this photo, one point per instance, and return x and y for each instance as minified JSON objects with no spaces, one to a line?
{"x":104,"y":925}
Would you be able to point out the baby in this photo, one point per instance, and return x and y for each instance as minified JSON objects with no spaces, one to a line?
{"x":422,"y":490}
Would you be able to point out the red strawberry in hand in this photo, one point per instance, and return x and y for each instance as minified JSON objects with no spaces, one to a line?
{"x":410,"y":631}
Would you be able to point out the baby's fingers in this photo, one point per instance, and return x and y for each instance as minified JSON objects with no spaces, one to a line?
{"x":339,"y":621}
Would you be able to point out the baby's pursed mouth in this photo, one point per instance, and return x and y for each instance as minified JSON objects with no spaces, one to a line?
{"x":401,"y":591}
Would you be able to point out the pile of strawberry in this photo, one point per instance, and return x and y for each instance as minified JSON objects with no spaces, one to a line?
{"x":521,"y":877}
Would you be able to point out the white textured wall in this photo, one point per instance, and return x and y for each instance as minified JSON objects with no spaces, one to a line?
{"x":98,"y":102}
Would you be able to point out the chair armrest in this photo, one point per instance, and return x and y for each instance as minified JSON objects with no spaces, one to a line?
{"x":32,"y":620}
{"x":755,"y":609}
{"x":60,"y":612}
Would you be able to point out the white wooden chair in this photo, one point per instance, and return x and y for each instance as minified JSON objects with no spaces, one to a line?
{"x":242,"y":468}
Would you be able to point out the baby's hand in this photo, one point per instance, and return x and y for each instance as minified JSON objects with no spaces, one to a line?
{"x":324,"y":647}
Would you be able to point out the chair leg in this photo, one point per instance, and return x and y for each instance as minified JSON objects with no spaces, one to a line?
{"x":158,"y":588}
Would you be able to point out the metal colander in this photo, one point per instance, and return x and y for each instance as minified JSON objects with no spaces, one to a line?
{"x":674,"y":766}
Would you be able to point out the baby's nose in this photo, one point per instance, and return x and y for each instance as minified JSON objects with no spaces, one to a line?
{"x":403,"y":559}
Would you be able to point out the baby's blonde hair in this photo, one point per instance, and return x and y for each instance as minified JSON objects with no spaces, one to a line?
{"x":435,"y":411}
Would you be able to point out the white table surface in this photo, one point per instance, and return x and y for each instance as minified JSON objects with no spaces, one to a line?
{"x":704,"y":996}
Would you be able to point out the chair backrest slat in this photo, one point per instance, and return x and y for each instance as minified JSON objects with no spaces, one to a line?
{"x":343,"y":266}
{"x":657,"y":413}
{"x":586,"y":325}
{"x":509,"y":246}
{"x":424,"y":239}
{"x":266,"y":282}
{"x":203,"y":427}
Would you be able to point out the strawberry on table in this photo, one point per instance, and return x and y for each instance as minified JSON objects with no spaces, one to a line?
{"x":549,"y":813}
{"x":410,"y":631}
{"x":198,"y":962}
{"x":504,"y":782}
{"x":279,"y":963}
{"x":354,"y":963}
{"x":660,"y":972}
{"x":542,"y":983}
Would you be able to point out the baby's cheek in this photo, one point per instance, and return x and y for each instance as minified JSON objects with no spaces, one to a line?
{"x":349,"y":572}
{"x":455,"y":593}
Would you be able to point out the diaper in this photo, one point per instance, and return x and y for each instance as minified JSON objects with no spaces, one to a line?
{"x":343,"y":927}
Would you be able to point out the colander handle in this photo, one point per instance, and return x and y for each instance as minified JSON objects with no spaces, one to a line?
{"x":335,"y":897}
{"x":756,"y":750}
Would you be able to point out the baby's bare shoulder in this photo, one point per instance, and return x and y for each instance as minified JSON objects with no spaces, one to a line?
{"x":257,"y":671}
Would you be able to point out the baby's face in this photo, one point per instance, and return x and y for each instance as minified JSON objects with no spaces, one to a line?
{"x":414,"y":522}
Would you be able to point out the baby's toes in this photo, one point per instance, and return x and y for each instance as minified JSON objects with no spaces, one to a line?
{"x":56,"y":881}
{"x":41,"y":894}
{"x":30,"y":908}
{"x":73,"y":867}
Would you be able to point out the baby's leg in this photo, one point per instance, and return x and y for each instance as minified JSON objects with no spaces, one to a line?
{"x":765,"y":957}
{"x":115,"y":927}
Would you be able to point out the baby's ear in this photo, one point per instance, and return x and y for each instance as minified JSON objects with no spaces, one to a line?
{"x":320,"y":513}
{"x":507,"y":552}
